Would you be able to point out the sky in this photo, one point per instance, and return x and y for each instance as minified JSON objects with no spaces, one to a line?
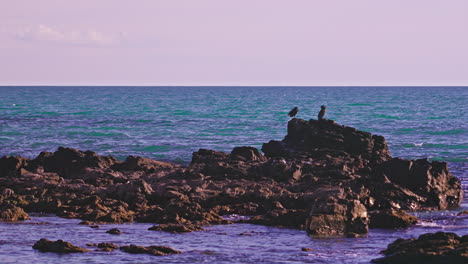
{"x":241,"y":42}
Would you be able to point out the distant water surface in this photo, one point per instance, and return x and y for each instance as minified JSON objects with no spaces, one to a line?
{"x":169,"y":123}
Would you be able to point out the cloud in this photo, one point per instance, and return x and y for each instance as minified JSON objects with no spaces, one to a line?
{"x":46,"y":33}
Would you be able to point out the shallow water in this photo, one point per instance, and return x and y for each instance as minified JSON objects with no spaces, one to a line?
{"x":236,"y":243}
{"x":169,"y":123}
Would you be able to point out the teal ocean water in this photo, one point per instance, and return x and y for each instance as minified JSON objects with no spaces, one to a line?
{"x":169,"y":123}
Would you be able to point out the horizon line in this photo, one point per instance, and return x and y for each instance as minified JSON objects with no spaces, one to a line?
{"x":234,"y":86}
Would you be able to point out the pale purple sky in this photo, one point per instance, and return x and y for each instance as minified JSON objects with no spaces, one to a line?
{"x":241,"y":42}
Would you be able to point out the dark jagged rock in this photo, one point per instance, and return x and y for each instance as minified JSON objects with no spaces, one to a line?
{"x":434,"y":248}
{"x":206,"y":156}
{"x":89,"y":223}
{"x":114,"y":231}
{"x":58,"y":246}
{"x":135,"y":163}
{"x":183,"y":212}
{"x":391,"y":219}
{"x":310,"y":136}
{"x":93,"y":208}
{"x":68,"y":161}
{"x":11,"y":213}
{"x":281,"y":217}
{"x":107,"y":247}
{"x":247,"y":154}
{"x":11,"y":166}
{"x":152,"y":250}
{"x":322,"y":177}
{"x":275,"y":148}
{"x":176,"y":228}
{"x":333,"y":214}
{"x":428,"y":179}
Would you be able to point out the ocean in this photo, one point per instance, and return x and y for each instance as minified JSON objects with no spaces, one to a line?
{"x":169,"y":123}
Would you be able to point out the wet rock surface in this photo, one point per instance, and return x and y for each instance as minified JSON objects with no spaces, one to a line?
{"x":323,"y":177}
{"x":152,"y":250}
{"x":114,"y":231}
{"x":334,"y":214}
{"x":105,"y":246}
{"x":177,"y":228}
{"x":58,"y":246}
{"x":11,"y":213}
{"x":437,"y":247}
{"x":391,"y":219}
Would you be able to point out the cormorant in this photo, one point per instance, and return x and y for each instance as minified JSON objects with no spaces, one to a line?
{"x":322,"y":112}
{"x":293,"y":112}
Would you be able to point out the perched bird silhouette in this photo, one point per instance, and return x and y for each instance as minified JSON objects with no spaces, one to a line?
{"x":322,"y":112}
{"x":293,"y":112}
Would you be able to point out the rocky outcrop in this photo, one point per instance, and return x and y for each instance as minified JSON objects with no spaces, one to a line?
{"x":313,"y":135}
{"x":437,"y":247}
{"x":322,"y":177}
{"x":152,"y":250}
{"x":58,"y":246}
{"x":431,"y":180}
{"x":68,"y":161}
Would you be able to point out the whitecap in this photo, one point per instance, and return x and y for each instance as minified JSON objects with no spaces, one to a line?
{"x":418,"y":144}
{"x":428,"y":224}
{"x":236,"y":217}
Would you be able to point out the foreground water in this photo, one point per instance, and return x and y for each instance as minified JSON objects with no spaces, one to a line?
{"x":169,"y":123}
{"x":236,"y":243}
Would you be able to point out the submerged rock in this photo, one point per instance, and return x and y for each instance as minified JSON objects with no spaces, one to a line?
{"x":177,"y":228}
{"x":152,"y":250}
{"x":104,"y":246}
{"x":437,"y":247}
{"x":114,"y":231}
{"x":58,"y":246}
